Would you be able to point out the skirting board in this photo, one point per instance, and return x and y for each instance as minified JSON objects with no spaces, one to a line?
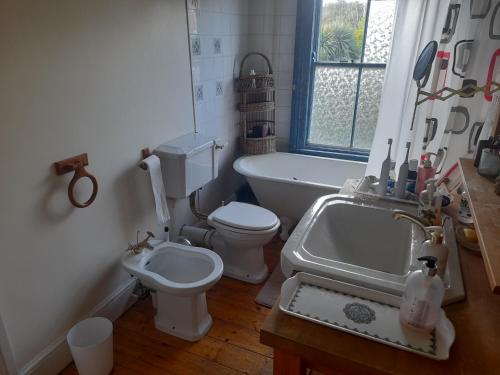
{"x":57,"y":355}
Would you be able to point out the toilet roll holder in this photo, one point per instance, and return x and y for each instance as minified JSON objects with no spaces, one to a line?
{"x":77,"y":164}
{"x":145,"y":154}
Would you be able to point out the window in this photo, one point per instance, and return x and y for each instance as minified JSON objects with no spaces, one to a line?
{"x":342,"y":48}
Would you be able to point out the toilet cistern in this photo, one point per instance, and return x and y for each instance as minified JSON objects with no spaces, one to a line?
{"x":238,"y":230}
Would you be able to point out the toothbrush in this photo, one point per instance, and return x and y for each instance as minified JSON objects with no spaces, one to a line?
{"x":403,"y":175}
{"x":384,"y":172}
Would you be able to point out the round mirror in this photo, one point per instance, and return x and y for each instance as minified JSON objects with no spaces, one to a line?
{"x":424,"y":62}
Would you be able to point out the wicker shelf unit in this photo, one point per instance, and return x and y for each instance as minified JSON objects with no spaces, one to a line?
{"x":257,"y":109}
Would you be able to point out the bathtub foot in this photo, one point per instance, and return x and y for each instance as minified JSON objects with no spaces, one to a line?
{"x":286,"y":225}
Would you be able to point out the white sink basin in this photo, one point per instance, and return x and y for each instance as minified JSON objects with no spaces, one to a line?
{"x":357,"y":241}
{"x":352,"y":239}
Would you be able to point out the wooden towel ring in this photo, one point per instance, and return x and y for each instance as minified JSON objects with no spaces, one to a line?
{"x":81,"y":172}
{"x":77,"y":164}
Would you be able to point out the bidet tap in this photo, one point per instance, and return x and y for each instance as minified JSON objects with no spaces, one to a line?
{"x":144,"y":244}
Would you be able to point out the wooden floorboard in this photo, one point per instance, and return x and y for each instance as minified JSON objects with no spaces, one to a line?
{"x":230,"y":347}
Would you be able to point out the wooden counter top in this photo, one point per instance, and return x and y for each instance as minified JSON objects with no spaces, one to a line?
{"x":476,"y":349}
{"x":485,"y":207}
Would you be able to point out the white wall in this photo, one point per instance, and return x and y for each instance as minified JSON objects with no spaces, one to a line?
{"x":103,"y":77}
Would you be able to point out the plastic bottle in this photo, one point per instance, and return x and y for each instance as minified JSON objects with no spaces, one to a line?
{"x":429,"y":203}
{"x":425,"y":171}
{"x":436,"y":248}
{"x":391,"y":182}
{"x":384,"y":171}
{"x":421,"y":305}
{"x":412,"y":175}
{"x":253,"y":74}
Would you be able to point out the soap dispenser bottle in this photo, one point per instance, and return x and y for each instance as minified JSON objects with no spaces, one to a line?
{"x":435,"y":247}
{"x":421,"y":304}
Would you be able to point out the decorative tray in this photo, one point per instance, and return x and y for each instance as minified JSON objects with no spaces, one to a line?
{"x":363,"y":312}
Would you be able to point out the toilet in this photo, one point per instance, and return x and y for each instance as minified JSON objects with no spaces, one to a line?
{"x":178,"y":276}
{"x":239,"y":230}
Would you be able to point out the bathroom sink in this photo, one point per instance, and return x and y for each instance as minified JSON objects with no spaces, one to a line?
{"x":365,"y":236}
{"x":356,"y":240}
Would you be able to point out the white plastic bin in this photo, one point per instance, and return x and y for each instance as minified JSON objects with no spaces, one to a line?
{"x":91,"y":344}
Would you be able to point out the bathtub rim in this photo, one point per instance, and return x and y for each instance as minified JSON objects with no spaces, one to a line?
{"x":243,"y":171}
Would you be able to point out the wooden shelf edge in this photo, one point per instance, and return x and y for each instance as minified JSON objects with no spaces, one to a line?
{"x":490,"y":252}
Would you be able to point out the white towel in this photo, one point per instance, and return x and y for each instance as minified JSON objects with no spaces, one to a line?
{"x":154,"y":168}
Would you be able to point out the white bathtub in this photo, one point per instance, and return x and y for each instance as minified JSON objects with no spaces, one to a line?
{"x":288,"y":184}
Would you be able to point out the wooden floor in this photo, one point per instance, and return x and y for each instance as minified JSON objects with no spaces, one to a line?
{"x":230,"y":347}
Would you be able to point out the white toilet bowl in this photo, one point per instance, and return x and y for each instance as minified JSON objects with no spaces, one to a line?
{"x":241,"y":232}
{"x":180,"y":275}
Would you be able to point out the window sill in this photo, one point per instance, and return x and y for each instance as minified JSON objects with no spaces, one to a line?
{"x":334,"y":153}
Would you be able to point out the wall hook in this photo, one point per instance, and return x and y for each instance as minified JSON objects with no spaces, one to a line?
{"x":77,"y":164}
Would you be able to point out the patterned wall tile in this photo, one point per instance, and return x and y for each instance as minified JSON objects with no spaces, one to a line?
{"x":217,"y":46}
{"x":193,"y":4}
{"x":219,"y":90}
{"x":198,"y":93}
{"x":196,"y":46}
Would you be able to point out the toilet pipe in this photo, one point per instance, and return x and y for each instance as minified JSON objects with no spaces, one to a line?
{"x":192,"y":206}
{"x":198,"y":236}
{"x":183,"y":241}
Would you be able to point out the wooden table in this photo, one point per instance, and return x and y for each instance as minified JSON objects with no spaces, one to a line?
{"x":485,"y":207}
{"x":299,"y":344}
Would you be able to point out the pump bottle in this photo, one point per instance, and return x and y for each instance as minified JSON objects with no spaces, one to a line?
{"x":435,"y":247}
{"x":421,"y":305}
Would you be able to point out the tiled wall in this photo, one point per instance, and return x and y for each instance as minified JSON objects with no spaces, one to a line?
{"x":218,"y":37}
{"x":221,"y":33}
{"x":272,"y":31}
{"x":218,"y":33}
{"x":284,"y":43}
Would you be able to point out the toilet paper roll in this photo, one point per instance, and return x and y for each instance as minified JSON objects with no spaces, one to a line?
{"x":154,"y":168}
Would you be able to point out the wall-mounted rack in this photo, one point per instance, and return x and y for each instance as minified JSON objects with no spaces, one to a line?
{"x":468,"y":91}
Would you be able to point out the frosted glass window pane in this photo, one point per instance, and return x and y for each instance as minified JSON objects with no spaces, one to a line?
{"x":379,"y":33}
{"x":333,"y":106}
{"x":370,"y":91}
{"x":341,"y":30}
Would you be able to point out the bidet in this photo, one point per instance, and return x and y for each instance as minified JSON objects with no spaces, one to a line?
{"x":178,"y":276}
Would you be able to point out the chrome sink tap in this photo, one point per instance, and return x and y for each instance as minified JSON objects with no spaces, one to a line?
{"x":144,"y":244}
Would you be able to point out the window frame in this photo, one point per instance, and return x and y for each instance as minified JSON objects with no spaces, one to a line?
{"x":305,"y":62}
